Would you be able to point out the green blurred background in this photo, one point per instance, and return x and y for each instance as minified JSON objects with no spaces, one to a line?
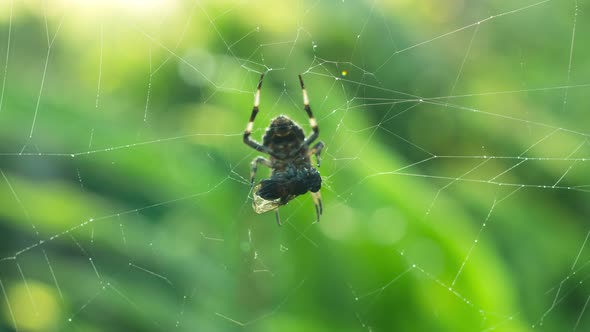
{"x":455,"y":182}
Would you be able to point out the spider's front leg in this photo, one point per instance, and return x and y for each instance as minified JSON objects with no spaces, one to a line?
{"x":312,"y":122}
{"x":247,"y":139}
{"x":254,"y":167}
{"x":316,"y":150}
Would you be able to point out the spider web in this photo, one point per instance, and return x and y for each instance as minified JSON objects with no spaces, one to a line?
{"x":455,"y":173}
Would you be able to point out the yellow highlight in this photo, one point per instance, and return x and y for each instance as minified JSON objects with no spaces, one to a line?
{"x":126,"y":5}
{"x":344,"y":73}
{"x":34,"y":306}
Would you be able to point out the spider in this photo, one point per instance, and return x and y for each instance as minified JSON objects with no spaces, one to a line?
{"x":290,"y":160}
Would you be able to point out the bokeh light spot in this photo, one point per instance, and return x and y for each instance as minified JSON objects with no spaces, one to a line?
{"x":34,"y":306}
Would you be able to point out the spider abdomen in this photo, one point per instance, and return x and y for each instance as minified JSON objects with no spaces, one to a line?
{"x":282,"y":132}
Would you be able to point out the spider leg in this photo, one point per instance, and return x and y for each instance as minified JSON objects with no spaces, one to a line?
{"x":316,"y":150}
{"x":317,"y":201}
{"x":254,"y":166}
{"x":278,"y":217}
{"x":314,"y":125}
{"x":247,"y":139}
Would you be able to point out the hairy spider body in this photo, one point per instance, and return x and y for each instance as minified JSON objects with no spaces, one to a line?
{"x":290,"y":160}
{"x":292,"y":173}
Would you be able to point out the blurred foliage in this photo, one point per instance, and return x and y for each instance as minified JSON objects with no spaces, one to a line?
{"x":124,"y":199}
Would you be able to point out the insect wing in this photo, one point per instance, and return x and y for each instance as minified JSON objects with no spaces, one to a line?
{"x":262,"y":205}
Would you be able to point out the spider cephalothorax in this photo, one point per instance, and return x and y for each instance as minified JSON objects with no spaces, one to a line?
{"x":290,"y":152}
